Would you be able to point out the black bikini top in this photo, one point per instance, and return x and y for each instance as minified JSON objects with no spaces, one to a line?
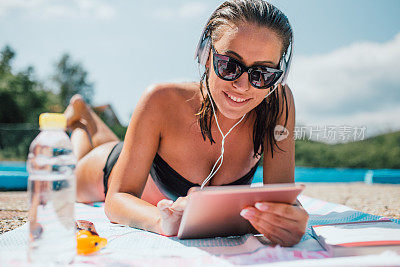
{"x":174,"y":185}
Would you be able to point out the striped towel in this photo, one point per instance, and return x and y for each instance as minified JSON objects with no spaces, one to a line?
{"x":133,"y":246}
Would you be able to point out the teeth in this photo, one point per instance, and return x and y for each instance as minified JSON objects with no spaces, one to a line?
{"x":239,"y":100}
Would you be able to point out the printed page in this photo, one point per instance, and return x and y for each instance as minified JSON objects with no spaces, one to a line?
{"x":359,"y":232}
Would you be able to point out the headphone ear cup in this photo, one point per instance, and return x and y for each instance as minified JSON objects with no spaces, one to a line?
{"x":286,"y":65}
{"x":282,"y":79}
{"x":204,"y":51}
{"x":289,"y":62}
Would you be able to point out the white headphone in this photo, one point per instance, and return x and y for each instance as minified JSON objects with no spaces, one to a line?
{"x":202,"y":53}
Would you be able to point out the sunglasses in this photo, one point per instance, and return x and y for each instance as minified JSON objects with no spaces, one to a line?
{"x":229,"y":69}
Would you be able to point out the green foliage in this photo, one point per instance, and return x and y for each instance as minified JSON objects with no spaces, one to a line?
{"x":119,"y":130}
{"x":7,"y":54}
{"x":22,"y":97}
{"x":378,"y":152}
{"x":71,"y":78}
{"x":15,"y":141}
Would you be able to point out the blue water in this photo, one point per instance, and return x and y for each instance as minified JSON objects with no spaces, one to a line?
{"x":13,"y":175}
{"x":340,"y":175}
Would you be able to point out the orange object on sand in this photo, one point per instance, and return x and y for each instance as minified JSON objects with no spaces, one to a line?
{"x":88,"y":243}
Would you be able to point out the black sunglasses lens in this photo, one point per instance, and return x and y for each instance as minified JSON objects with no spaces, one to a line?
{"x":227,"y":69}
{"x":262,"y":79}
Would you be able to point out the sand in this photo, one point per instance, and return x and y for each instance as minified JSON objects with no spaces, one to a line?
{"x":13,"y":210}
{"x":378,"y":199}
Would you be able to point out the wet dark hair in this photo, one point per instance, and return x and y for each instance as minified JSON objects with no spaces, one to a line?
{"x":262,"y":14}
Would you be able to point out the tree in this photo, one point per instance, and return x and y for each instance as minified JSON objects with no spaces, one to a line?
{"x":22,"y":97}
{"x":71,"y":78}
{"x":7,"y":54}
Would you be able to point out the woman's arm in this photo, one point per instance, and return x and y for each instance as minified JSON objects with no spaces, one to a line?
{"x":129,"y":175}
{"x":280,"y":167}
{"x":281,"y":223}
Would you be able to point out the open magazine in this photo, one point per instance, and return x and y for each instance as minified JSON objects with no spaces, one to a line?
{"x":358,"y":238}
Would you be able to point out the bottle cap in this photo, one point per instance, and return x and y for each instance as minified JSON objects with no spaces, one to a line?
{"x":48,"y":121}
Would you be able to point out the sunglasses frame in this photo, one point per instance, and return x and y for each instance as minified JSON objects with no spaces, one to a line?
{"x":243,"y":68}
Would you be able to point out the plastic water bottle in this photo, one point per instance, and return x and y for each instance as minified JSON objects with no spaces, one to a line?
{"x":52,"y":189}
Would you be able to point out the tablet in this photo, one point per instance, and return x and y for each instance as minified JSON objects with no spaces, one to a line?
{"x":215,"y":210}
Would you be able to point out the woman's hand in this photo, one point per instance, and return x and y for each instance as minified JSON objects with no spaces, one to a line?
{"x":171,"y":215}
{"x":282,"y":224}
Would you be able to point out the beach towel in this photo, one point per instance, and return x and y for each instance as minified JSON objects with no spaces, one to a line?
{"x":129,"y":246}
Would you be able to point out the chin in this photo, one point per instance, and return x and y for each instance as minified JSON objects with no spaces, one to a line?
{"x":233,"y":113}
{"x":233,"y":117}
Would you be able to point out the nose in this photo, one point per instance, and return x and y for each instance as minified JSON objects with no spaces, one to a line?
{"x":242,"y":83}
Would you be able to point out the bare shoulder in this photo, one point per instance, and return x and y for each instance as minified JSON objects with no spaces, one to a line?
{"x":167,"y":95}
{"x":171,"y":88}
{"x":160,"y":105}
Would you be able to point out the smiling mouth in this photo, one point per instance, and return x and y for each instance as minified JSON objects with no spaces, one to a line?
{"x":236,"y":99}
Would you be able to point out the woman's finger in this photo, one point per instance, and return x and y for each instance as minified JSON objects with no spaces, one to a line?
{"x":282,"y":231}
{"x":170,"y":209}
{"x":180,"y":204}
{"x":294,"y":227}
{"x":164,"y":207}
{"x":274,"y":238}
{"x":275,"y":234}
{"x":261,"y":217}
{"x":164,"y":203}
{"x":293,"y":212}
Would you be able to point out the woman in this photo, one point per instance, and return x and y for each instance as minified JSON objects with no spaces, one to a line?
{"x":178,"y":132}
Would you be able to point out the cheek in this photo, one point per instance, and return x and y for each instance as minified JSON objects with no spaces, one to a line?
{"x":213,"y":78}
{"x":256,"y":102}
{"x":216,"y":85}
{"x":259,"y":96}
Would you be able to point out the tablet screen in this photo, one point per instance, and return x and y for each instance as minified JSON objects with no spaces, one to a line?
{"x":215,"y":210}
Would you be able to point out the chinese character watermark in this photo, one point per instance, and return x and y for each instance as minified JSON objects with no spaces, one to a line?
{"x":325,"y":133}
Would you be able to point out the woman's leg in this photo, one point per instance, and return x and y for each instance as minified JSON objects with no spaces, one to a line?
{"x":89,"y":174}
{"x":80,"y":139}
{"x":97,"y":130}
{"x":92,"y":142}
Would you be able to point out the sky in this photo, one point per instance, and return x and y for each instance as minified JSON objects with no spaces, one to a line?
{"x":345,"y":71}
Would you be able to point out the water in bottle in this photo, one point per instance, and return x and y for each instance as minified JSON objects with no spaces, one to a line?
{"x":51,"y":187}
